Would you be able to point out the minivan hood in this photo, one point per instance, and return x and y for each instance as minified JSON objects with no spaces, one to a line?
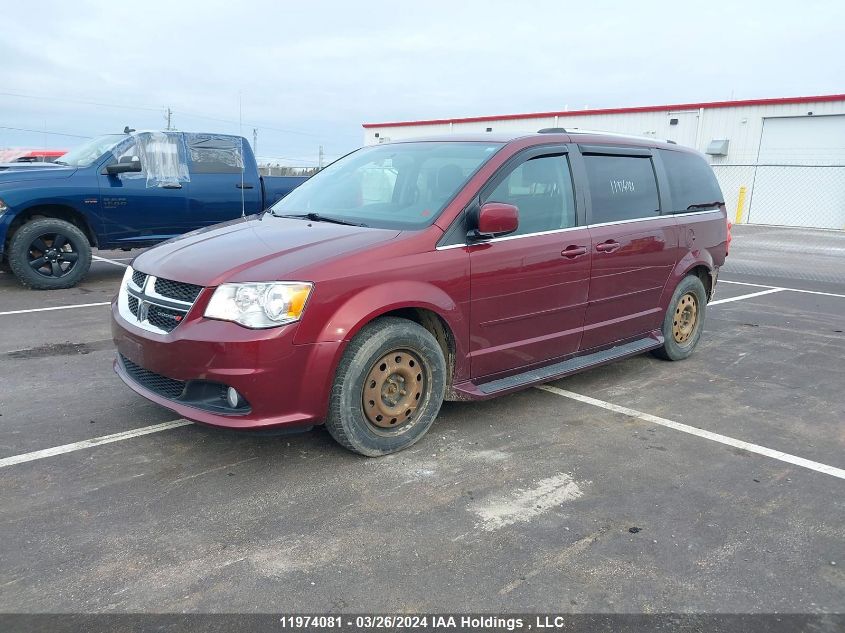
{"x":40,"y":173}
{"x":256,"y":248}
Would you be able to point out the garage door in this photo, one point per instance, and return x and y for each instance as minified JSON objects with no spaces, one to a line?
{"x":800,"y":179}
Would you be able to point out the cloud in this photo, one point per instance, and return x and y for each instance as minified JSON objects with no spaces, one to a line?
{"x":321,"y":69}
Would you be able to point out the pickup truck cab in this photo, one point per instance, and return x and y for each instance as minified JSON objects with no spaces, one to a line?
{"x":410,"y":272}
{"x":124,"y":191}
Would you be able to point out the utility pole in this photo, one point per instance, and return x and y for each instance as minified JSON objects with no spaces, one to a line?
{"x":255,"y":141}
{"x":320,"y":159}
{"x":168,"y":116}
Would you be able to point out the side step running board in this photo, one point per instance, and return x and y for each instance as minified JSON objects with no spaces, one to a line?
{"x":572,"y":365}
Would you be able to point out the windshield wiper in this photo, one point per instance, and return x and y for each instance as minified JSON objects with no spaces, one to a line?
{"x":316,"y":217}
{"x":61,"y":162}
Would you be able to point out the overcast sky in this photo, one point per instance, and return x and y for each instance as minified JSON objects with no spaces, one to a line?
{"x":309,"y":73}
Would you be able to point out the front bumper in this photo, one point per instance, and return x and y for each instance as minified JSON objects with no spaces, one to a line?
{"x":284,"y":384}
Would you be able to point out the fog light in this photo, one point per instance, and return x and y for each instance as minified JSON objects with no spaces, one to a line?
{"x":233,"y":397}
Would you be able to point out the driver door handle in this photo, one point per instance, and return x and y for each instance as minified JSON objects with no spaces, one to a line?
{"x":171,"y":185}
{"x":608,"y":247}
{"x":244,"y":185}
{"x":574,"y":251}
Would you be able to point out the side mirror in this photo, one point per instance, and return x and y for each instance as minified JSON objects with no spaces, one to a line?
{"x":496,"y":218}
{"x":123,"y":168}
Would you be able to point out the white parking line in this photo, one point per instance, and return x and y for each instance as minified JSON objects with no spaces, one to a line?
{"x":748,"y":296}
{"x":70,"y":307}
{"x":809,"y":292}
{"x":110,"y":261}
{"x":708,"y":435}
{"x":97,"y":441}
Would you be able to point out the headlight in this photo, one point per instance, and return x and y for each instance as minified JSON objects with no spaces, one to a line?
{"x":3,"y":206}
{"x":259,"y":305}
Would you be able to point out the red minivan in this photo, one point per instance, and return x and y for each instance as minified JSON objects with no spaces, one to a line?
{"x":459,"y":267}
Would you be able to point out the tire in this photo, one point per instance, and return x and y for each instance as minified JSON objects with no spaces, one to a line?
{"x":689,"y":301}
{"x":62,"y":266}
{"x":388,"y":388}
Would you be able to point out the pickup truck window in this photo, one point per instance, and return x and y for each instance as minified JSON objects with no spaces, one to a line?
{"x":214,"y":154}
{"x":396,"y":186}
{"x":88,"y":152}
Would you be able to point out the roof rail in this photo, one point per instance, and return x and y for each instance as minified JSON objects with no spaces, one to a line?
{"x":552,"y":130}
{"x":575,"y":130}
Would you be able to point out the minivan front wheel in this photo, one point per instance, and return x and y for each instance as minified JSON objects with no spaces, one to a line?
{"x":388,"y":388}
{"x":684,"y":319}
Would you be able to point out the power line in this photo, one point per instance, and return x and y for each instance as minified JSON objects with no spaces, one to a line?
{"x":79,"y":101}
{"x":256,"y":125}
{"x":23,"y":129}
{"x":154,"y":109}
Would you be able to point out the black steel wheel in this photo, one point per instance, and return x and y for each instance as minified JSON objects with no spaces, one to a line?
{"x":49,"y":253}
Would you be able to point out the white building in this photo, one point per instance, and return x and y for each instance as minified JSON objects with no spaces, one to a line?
{"x":779,"y":161}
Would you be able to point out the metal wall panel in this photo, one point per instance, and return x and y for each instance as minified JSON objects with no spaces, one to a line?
{"x":813,"y":144}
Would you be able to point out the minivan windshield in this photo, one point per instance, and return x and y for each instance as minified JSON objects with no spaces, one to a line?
{"x":90,"y":151}
{"x":396,"y":186}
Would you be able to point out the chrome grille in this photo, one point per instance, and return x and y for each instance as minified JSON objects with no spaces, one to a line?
{"x":156,"y":305}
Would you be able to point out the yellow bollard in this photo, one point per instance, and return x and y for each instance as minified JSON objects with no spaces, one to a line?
{"x":740,"y":204}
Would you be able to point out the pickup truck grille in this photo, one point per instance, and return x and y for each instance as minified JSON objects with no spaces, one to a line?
{"x":157,"y":305}
{"x":162,"y":385}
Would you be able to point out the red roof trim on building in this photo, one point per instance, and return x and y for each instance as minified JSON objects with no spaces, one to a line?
{"x":655,"y":108}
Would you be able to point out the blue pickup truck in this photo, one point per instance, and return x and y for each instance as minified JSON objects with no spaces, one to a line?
{"x":125,"y":191}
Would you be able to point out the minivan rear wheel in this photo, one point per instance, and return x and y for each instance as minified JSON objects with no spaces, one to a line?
{"x":388,"y":388}
{"x":684,"y":320}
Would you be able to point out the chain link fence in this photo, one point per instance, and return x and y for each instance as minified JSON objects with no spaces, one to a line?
{"x":786,"y":195}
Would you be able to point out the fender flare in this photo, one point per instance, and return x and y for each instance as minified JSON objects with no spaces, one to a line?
{"x":682,"y":268}
{"x":65,"y":210}
{"x":370,"y":303}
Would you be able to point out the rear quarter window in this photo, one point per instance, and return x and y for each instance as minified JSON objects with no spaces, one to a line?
{"x":621,"y":188}
{"x":692,"y":183}
{"x":214,"y":154}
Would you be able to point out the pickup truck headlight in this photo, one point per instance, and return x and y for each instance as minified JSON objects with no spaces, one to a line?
{"x":259,"y":305}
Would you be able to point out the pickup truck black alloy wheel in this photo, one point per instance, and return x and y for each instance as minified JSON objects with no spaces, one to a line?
{"x":49,"y":253}
{"x":388,"y":387}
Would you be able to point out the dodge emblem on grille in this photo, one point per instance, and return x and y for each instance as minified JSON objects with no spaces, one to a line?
{"x":155,"y":309}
